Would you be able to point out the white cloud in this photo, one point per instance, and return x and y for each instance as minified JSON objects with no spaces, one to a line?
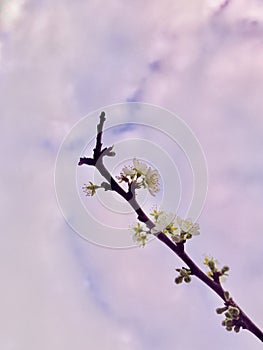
{"x":10,"y":12}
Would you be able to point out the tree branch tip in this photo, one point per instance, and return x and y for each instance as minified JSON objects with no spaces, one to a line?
{"x":81,"y":161}
{"x":102,"y":116}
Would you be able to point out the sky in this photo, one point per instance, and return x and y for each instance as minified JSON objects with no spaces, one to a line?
{"x":61,"y":64}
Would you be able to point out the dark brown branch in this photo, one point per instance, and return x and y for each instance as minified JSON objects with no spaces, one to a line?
{"x":87,"y":161}
{"x":97,"y":150}
{"x":177,"y":248}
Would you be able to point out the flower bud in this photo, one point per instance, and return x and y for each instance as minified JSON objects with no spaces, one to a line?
{"x":234,"y":312}
{"x":224,"y":269}
{"x":187,"y":279}
{"x":211,"y":265}
{"x":237,"y":328}
{"x":229,"y":323}
{"x":178,"y":280}
{"x":220,"y":310}
{"x":227,"y":295}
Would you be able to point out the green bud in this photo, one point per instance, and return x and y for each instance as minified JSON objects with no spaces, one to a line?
{"x":220,"y":310}
{"x":237,"y":328}
{"x":211,"y":265}
{"x":224,"y":269}
{"x":229,"y":328}
{"x":227,"y":295}
{"x":178,"y":280}
{"x":183,"y":272}
{"x":234,"y":312}
{"x":187,"y":279}
{"x":229,"y":323}
{"x":188,"y":236}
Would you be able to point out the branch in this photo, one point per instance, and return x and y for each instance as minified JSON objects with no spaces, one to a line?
{"x":97,"y":149}
{"x":97,"y":152}
{"x":178,"y":248}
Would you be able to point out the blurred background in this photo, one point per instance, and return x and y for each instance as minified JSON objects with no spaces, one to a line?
{"x":59,"y":61}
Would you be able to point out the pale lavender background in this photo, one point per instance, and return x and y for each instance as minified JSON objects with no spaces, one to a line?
{"x":60,"y":60}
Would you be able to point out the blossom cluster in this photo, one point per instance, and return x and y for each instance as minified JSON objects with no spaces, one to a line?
{"x":214,"y":272}
{"x":178,"y":229}
{"x":141,"y":176}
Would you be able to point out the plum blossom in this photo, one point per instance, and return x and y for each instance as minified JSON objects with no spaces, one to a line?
{"x":166,"y":223}
{"x":141,"y":176}
{"x":188,"y":227}
{"x":128,"y":171}
{"x":178,"y":229}
{"x":140,"y":167}
{"x":151,"y":181}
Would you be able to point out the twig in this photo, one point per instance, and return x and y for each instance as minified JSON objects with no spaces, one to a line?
{"x":178,"y":248}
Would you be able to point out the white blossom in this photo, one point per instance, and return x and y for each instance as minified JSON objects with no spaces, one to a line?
{"x":166,"y":223}
{"x":128,"y":171}
{"x":140,"y":167}
{"x":151,"y":181}
{"x":141,"y":175}
{"x":187,"y":226}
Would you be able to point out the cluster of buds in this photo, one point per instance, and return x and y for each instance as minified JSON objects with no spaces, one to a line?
{"x":140,"y":176}
{"x":184,"y":275}
{"x":214,"y":273}
{"x":179,"y":230}
{"x":232,"y":318}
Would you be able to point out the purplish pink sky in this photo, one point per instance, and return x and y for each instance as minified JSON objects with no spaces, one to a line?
{"x":60,"y":60}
